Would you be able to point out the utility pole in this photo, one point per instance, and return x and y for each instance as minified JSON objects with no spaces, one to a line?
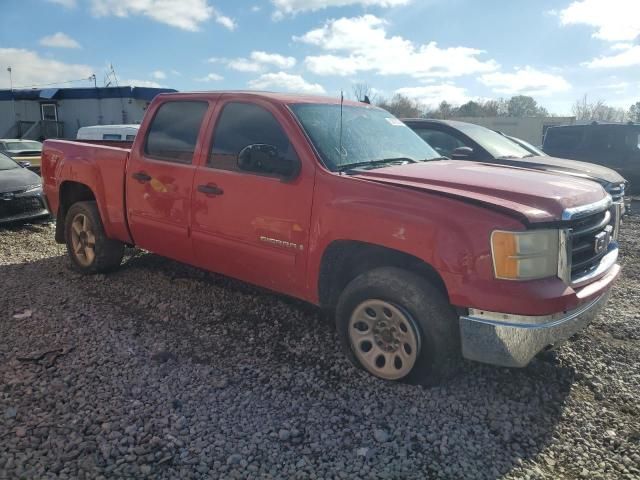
{"x":95,"y":83}
{"x":13,"y":99}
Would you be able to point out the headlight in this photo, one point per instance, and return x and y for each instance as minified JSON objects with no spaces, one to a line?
{"x":32,"y":188}
{"x":525,"y":255}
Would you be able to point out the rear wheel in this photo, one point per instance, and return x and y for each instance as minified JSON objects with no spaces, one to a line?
{"x":88,"y":246}
{"x":397,"y":326}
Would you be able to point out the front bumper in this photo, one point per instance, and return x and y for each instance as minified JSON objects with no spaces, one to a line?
{"x":513,"y":340}
{"x":22,"y":207}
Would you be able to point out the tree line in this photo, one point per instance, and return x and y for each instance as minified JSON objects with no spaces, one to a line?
{"x":517,"y":106}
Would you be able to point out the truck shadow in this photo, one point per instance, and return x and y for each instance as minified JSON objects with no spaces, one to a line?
{"x":489,"y":419}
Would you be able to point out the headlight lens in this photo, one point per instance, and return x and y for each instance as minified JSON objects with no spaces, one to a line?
{"x":33,"y":188}
{"x":525,"y":255}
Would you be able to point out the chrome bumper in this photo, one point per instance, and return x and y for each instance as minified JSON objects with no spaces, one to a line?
{"x":513,"y":340}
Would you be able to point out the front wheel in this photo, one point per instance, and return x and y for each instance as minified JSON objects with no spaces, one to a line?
{"x":91,"y":251}
{"x":398,"y":326}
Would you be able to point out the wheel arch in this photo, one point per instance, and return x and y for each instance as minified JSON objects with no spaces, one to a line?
{"x":344,"y":260}
{"x":70,"y":192}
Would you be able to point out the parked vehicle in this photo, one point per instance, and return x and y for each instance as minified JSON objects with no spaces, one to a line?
{"x":420,"y":259}
{"x":108,"y":132}
{"x":614,"y":145}
{"x":524,"y":144}
{"x":466,"y":141}
{"x":22,"y":151}
{"x":21,"y":196}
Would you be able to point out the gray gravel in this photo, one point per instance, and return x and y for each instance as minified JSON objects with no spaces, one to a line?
{"x":164,"y":371}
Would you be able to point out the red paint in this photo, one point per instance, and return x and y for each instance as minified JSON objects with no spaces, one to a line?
{"x":441,"y":212}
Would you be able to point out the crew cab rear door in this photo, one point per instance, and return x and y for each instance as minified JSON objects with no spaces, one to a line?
{"x":160,"y":177}
{"x":248,"y":222}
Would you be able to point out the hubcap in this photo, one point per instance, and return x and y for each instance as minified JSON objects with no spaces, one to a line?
{"x":384,"y":339}
{"x":83,"y":240}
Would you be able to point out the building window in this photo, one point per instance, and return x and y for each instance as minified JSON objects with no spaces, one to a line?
{"x":49,"y":111}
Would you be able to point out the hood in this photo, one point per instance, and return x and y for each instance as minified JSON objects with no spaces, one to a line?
{"x":602,"y":175}
{"x":17,"y":178}
{"x":532,"y":196}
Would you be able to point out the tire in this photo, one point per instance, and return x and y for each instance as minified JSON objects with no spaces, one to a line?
{"x":88,"y":246}
{"x":417,"y":328}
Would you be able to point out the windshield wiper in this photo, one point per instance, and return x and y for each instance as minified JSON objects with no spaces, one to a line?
{"x":373,"y":163}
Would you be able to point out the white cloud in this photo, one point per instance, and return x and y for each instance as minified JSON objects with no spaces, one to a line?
{"x":275,"y":59}
{"x":159,"y":75}
{"x":64,"y":3}
{"x":432,"y":95}
{"x":140,"y":83}
{"x":525,"y":81}
{"x":244,"y":65}
{"x":211,"y":77}
{"x":626,"y":58}
{"x":29,"y":68}
{"x":185,"y":14}
{"x":287,"y":82}
{"x":257,"y":62}
{"x":614,"y":20}
{"x":361,"y":44}
{"x":295,"y":6}
{"x":59,"y":40}
{"x":176,"y":73}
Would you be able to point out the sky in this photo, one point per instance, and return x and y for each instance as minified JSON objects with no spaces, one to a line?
{"x":432,"y":50}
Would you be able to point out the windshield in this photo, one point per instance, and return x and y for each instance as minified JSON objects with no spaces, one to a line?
{"x":368,"y":135}
{"x":23,"y":145}
{"x":527,"y":146}
{"x":494,"y":143}
{"x":6,"y":163}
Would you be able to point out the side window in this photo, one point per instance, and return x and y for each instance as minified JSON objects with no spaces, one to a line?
{"x":563,"y":138}
{"x":173,"y":132}
{"x":111,"y":136}
{"x":131,"y":138}
{"x":441,"y":142}
{"x":244,"y":124}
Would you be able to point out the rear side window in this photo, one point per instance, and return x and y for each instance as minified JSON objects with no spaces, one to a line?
{"x":111,"y":136}
{"x":563,"y":138}
{"x":173,"y":132}
{"x":241,"y":125}
{"x":130,"y":138}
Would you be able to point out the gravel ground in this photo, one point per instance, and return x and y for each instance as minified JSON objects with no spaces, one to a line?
{"x":164,"y":371}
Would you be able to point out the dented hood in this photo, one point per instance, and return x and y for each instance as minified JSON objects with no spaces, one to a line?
{"x":533,"y":196}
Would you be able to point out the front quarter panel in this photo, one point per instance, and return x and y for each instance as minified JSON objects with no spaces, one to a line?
{"x":450,"y":235}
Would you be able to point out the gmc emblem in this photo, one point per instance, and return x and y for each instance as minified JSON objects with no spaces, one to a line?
{"x":601,"y":242}
{"x":7,"y":196}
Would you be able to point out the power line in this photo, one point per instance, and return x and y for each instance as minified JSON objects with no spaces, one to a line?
{"x":54,"y":83}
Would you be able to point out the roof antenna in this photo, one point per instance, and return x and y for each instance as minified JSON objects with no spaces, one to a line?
{"x":341,"y":103}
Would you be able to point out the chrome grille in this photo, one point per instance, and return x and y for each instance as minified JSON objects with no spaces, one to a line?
{"x":590,"y":239}
{"x":616,"y":190}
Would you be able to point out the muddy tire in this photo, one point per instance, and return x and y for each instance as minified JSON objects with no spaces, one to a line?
{"x":89,"y":248}
{"x":398,"y":326}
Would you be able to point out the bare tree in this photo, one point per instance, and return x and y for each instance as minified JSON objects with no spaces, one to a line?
{"x":597,"y":111}
{"x":362,"y":91}
{"x":402,"y":106}
{"x":634,"y":112}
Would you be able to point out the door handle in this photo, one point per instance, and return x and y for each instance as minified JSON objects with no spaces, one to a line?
{"x":210,"y":189}
{"x":141,"y":177}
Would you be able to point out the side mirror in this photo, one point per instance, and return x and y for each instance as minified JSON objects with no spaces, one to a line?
{"x":462,"y":153}
{"x":24,"y":164}
{"x":267,"y":159}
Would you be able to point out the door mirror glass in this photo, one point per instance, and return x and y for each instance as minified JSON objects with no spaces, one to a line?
{"x":462,"y":153}
{"x":266,"y":159}
{"x":24,"y":164}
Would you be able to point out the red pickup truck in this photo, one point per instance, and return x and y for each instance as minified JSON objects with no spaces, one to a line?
{"x":423,"y":260}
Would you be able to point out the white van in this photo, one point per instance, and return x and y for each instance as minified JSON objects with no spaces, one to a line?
{"x":123,"y":133}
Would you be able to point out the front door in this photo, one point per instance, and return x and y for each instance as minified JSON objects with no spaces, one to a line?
{"x":160,"y":177}
{"x":246,"y":223}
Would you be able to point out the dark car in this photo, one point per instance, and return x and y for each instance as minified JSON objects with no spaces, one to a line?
{"x":21,"y":195}
{"x":467,"y":141}
{"x":615,"y":145}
